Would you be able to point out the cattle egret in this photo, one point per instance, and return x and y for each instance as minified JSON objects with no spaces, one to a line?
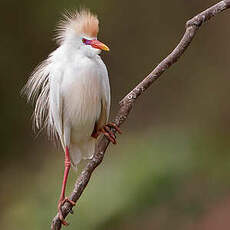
{"x":71,"y":92}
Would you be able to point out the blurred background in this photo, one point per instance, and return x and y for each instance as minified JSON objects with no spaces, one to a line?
{"x":171,"y":167}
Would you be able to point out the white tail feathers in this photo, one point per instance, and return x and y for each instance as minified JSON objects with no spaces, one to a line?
{"x":83,"y":150}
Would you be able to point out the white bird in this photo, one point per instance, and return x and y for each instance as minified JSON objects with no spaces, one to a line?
{"x":72,"y":93}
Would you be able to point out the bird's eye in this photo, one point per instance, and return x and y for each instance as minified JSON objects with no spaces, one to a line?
{"x":86,"y":41}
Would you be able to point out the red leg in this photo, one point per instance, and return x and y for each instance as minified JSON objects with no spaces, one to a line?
{"x":63,"y":199}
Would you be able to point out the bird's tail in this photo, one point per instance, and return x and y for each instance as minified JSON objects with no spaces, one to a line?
{"x":83,"y":150}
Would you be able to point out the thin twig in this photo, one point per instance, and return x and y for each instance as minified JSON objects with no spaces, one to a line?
{"x":128,"y":101}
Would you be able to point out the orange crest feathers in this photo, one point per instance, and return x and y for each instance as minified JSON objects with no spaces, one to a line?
{"x":86,"y":23}
{"x":82,"y":22}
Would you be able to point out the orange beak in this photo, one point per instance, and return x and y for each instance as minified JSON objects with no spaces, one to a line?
{"x":98,"y":45}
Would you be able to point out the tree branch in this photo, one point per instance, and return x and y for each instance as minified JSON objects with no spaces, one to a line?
{"x":127,"y":103}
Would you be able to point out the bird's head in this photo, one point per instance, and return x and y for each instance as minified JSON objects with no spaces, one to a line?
{"x":80,"y":30}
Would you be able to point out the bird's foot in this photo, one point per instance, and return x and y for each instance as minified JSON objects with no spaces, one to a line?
{"x":113,"y":125}
{"x":106,"y":130}
{"x":60,"y":204}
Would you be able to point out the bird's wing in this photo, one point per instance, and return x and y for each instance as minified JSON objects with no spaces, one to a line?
{"x":103,"y":118}
{"x":105,"y":100}
{"x":56,"y":104}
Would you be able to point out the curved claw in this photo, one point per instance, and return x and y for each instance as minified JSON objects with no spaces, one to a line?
{"x":106,"y":130}
{"x":60,"y":204}
{"x":109,"y":135}
{"x":111,"y":124}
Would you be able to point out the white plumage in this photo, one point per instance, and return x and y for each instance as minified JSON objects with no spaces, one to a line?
{"x":71,"y":88}
{"x":72,"y":93}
